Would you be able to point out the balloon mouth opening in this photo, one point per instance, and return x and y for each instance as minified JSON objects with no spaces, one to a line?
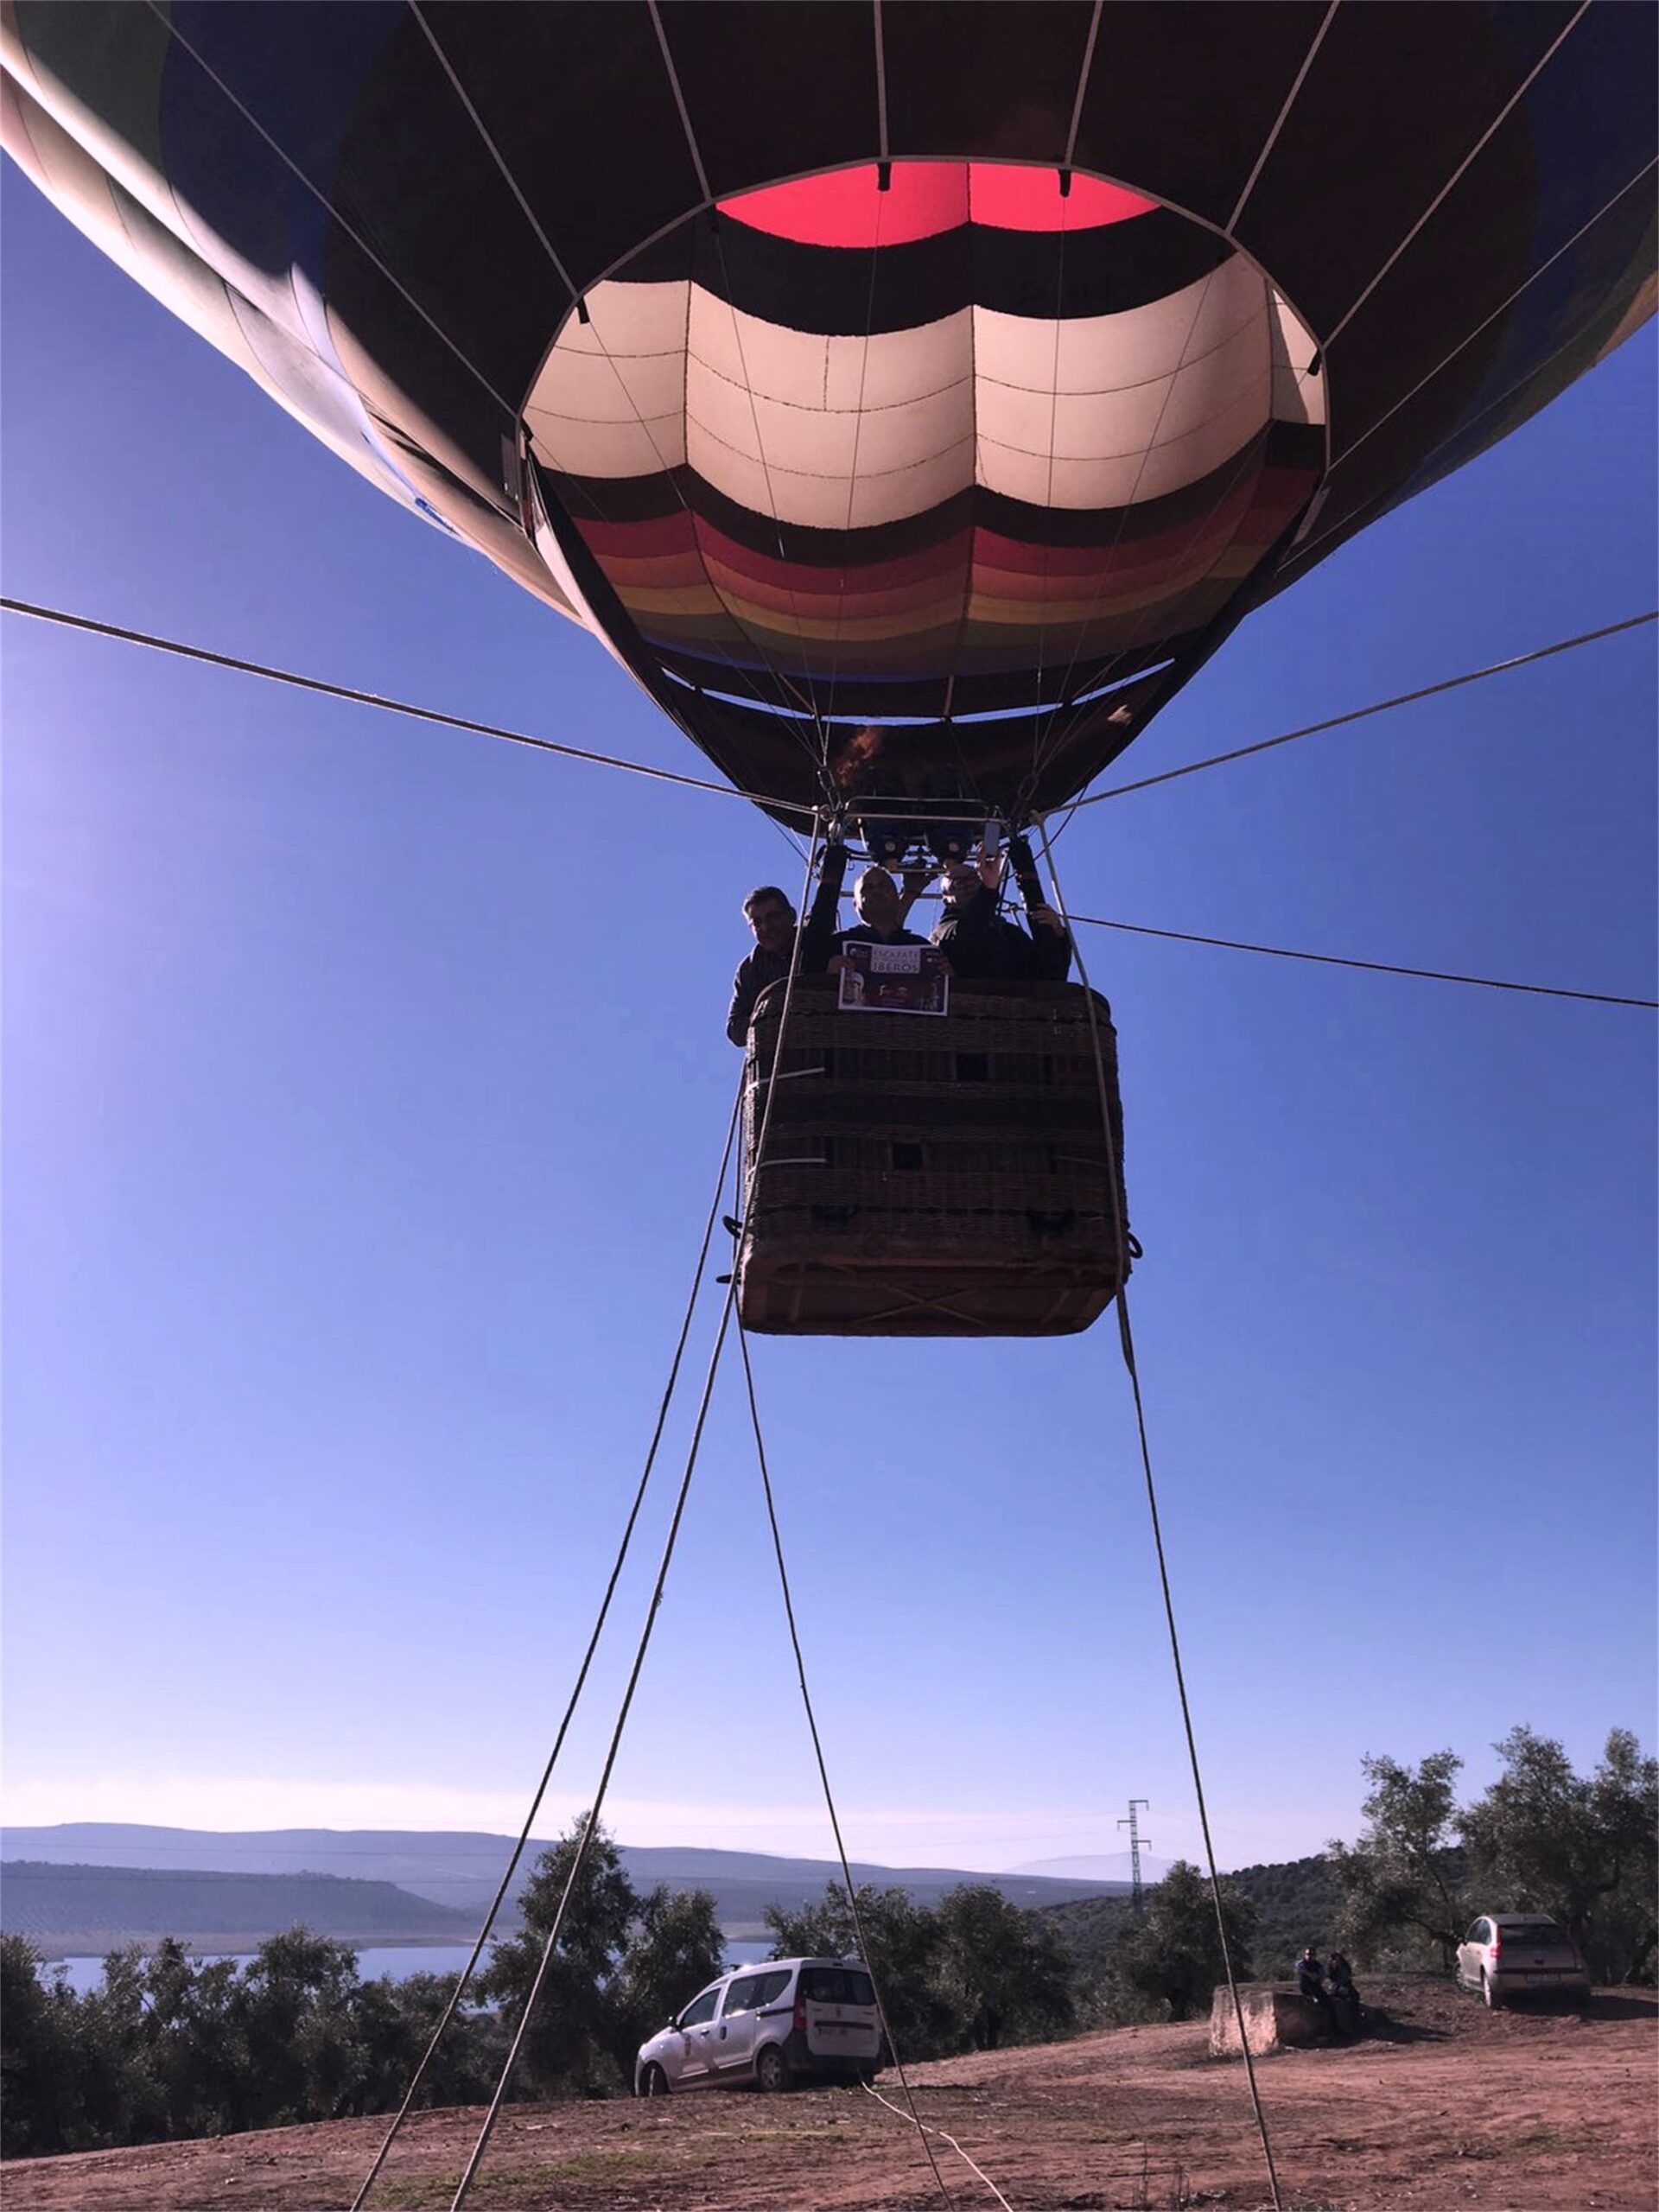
{"x":930,"y":437}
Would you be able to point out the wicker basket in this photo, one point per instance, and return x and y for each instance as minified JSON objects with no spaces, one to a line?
{"x":930,"y":1176}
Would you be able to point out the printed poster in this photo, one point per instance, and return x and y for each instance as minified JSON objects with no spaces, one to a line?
{"x":893,"y":979}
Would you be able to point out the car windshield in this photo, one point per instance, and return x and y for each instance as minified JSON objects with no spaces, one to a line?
{"x":837,"y":1985}
{"x":1532,"y":1932}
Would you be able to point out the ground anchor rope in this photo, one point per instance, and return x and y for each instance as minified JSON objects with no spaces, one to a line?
{"x":519,"y":1849}
{"x":1127,"y":1341}
{"x":590,"y":1828}
{"x":823,"y":1770}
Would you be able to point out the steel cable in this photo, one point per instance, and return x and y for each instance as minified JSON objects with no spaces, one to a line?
{"x":354,"y":697}
{"x":1127,"y":1341}
{"x":361,"y":2198}
{"x":590,"y":1827}
{"x":823,"y":1770}
{"x":1370,"y":967}
{"x":1359,"y":714}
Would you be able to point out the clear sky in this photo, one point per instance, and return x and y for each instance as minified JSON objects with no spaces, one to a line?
{"x":364,"y":1086}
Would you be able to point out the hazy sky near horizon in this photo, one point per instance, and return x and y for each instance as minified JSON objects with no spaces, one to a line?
{"x":365,"y":1085}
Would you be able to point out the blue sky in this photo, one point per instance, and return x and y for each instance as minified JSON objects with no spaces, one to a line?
{"x":364,"y":1085}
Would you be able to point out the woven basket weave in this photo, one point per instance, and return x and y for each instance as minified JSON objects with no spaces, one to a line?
{"x":931,"y":1175}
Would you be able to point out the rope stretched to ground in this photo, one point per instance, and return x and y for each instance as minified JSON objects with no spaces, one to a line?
{"x":1360,"y":713}
{"x":823,"y":1770}
{"x":925,"y":2130}
{"x":1126,"y":1340}
{"x":354,"y":697}
{"x":519,"y":1849}
{"x":591,"y":1826}
{"x":1373,"y":967}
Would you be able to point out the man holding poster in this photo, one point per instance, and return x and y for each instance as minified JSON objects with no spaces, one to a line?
{"x":909,"y":978}
{"x":881,"y":964}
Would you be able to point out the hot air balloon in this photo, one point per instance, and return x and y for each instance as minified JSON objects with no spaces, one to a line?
{"x":910,"y":396}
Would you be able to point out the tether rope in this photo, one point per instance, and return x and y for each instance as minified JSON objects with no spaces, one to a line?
{"x":823,"y":1770}
{"x":124,"y":635}
{"x":923,"y":2130}
{"x":467,"y":1972}
{"x":1359,"y":714}
{"x":1371,"y":967}
{"x":590,"y":1827}
{"x":354,"y":697}
{"x":1126,"y":1340}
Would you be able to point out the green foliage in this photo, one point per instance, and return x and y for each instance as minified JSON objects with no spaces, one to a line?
{"x":674,"y":1948}
{"x":165,"y":2048}
{"x":971,"y":1972}
{"x":36,"y":2047}
{"x":1404,"y":1884}
{"x":622,"y":1962}
{"x":1581,"y":1848}
{"x":1170,"y":1957}
{"x":1296,"y":1904}
{"x":901,"y":1947}
{"x":1004,"y":1972}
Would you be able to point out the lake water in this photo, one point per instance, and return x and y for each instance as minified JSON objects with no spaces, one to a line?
{"x":399,"y":1960}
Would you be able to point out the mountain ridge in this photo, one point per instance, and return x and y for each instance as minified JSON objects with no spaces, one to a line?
{"x":460,"y":1869}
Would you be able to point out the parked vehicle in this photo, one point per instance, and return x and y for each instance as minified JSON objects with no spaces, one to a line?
{"x":769,"y":2024}
{"x":1509,"y":1955}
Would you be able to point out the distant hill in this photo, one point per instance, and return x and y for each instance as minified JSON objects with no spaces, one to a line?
{"x":461,"y":1870}
{"x":1296,"y":1904}
{"x":1110,"y":1870}
{"x":67,"y":1910}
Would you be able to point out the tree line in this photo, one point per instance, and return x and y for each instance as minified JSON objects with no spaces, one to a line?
{"x":1583,"y":1849}
{"x":168,"y":2046}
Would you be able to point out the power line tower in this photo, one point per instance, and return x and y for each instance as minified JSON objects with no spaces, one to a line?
{"x":1135,"y":1841}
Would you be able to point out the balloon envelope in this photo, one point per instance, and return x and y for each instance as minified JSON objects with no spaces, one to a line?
{"x":908,"y":398}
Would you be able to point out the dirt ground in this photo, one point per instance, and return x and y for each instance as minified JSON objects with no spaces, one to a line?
{"x":1447,"y":2107}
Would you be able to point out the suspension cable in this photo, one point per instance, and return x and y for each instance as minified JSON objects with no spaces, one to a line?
{"x":1127,"y":1341}
{"x":1380,"y":706}
{"x":1372,"y":967}
{"x":923,"y":2130}
{"x":591,"y":1826}
{"x":519,"y":1849}
{"x":129,"y":637}
{"x":823,"y":1770}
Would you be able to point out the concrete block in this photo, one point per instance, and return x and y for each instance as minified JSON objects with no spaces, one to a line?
{"x":1277,"y":2016}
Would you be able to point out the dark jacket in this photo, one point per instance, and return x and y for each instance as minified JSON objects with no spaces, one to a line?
{"x":760,"y":968}
{"x":865,"y":934}
{"x":983,"y":948}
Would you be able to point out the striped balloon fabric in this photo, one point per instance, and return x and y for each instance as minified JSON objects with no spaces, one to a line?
{"x":911,"y":395}
{"x":1027,"y":430}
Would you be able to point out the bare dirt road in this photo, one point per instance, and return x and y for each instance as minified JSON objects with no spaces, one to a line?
{"x":1448,"y":2108}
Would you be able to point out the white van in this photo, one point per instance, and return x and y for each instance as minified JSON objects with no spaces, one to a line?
{"x":771,"y":2025}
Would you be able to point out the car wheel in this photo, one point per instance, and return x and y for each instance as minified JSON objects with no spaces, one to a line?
{"x":1489,"y":1997}
{"x":771,"y":2071}
{"x":653,"y":2082}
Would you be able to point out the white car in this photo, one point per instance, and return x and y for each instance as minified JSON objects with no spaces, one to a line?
{"x":769,"y":2024}
{"x":1507,"y":1955}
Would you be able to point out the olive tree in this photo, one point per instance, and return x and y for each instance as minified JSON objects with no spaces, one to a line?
{"x":1171,"y":1956}
{"x":1580,"y":1848}
{"x":1404,"y":1884}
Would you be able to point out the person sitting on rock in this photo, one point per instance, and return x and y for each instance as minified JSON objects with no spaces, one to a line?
{"x":1346,"y":2010}
{"x":1310,"y":1983}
